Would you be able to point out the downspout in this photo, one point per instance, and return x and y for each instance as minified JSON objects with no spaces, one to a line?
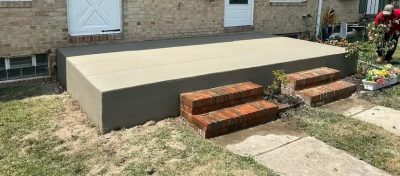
{"x":318,"y":26}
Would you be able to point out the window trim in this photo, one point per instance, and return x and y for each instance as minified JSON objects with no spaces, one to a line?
{"x":34,"y":64}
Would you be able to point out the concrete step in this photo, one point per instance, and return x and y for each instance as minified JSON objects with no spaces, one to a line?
{"x":320,"y":95}
{"x":310,"y":78}
{"x":226,"y":120}
{"x":203,"y":101}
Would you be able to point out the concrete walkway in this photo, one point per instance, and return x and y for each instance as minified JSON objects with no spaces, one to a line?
{"x":289,"y":155}
{"x":387,"y":118}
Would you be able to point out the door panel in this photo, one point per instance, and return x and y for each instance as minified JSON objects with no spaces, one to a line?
{"x":238,"y":12}
{"x":89,"y":17}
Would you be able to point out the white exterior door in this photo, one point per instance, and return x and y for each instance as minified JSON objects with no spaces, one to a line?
{"x":91,"y":17}
{"x":372,"y":7}
{"x":238,"y":13}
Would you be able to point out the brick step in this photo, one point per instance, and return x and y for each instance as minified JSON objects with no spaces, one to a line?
{"x":226,"y":120}
{"x":327,"y":93}
{"x":310,"y":78}
{"x":203,"y":101}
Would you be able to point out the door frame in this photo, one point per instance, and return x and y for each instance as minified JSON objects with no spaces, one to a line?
{"x":251,"y":3}
{"x":121,"y":6}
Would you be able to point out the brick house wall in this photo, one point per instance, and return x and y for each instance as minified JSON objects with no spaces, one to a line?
{"x":40,"y":26}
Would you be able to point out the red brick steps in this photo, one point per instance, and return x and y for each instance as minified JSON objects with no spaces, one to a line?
{"x":318,"y":86}
{"x":234,"y":118}
{"x":225,"y":109}
{"x":327,"y":93}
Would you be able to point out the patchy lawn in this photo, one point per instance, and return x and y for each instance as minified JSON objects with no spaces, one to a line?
{"x":364,"y":141}
{"x":389,"y":97}
{"x":46,"y":134}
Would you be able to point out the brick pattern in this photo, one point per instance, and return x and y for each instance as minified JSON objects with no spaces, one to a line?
{"x":283,"y":18}
{"x":220,"y":110}
{"x":318,"y":86}
{"x":310,"y":78}
{"x":238,"y":117}
{"x":44,"y":25}
{"x":212,"y":99}
{"x":15,"y":4}
{"x":94,"y":38}
{"x":238,"y":29}
{"x":321,"y":95}
{"x":288,"y":3}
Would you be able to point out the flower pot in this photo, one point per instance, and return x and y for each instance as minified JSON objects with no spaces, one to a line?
{"x":371,"y":85}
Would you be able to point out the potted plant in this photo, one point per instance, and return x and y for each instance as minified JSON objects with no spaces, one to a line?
{"x":380,"y":78}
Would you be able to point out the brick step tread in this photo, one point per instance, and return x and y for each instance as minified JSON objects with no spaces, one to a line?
{"x":313,"y":77}
{"x":234,"y":118}
{"x":203,"y":101}
{"x":330,"y":92}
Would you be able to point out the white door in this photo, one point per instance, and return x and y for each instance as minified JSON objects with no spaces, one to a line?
{"x":238,"y":13}
{"x":372,"y":7}
{"x":90,"y":17}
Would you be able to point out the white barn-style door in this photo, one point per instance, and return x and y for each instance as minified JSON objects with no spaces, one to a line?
{"x":238,"y":13}
{"x":92,"y":17}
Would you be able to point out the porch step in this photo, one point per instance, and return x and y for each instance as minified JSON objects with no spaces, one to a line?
{"x":221,"y":110}
{"x":203,"y":101}
{"x":318,"y":86}
{"x":327,"y":93}
{"x":310,"y":78}
{"x":226,"y":120}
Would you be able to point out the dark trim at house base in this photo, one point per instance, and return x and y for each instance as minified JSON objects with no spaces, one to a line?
{"x":237,"y":29}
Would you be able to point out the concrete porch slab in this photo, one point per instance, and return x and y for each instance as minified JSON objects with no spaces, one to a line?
{"x":122,"y":85}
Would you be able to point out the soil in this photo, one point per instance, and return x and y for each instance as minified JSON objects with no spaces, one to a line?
{"x":283,"y":101}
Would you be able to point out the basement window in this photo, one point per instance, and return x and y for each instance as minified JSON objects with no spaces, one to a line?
{"x":23,"y":67}
{"x":3,"y":72}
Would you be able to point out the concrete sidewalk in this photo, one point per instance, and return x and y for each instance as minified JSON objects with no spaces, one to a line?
{"x":289,"y":155}
{"x":387,"y":118}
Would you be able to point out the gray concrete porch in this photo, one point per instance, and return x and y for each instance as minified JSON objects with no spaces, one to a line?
{"x":122,"y":85}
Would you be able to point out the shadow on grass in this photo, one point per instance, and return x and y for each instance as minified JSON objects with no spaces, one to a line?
{"x":22,"y":92}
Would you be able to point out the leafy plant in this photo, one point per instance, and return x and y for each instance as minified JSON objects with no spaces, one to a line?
{"x":377,"y":35}
{"x":280,"y":78}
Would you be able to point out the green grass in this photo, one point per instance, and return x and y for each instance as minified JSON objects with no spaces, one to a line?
{"x":396,"y":55}
{"x":29,"y":145}
{"x":365,"y":141}
{"x":22,"y":153}
{"x":198,"y":157}
{"x":389,"y":97}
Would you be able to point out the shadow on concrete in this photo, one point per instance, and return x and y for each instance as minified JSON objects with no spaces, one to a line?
{"x":154,"y":44}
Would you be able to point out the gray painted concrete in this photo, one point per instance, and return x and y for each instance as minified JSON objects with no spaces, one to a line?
{"x":256,"y":145}
{"x":387,"y":118}
{"x":142,"y":81}
{"x":311,"y":157}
